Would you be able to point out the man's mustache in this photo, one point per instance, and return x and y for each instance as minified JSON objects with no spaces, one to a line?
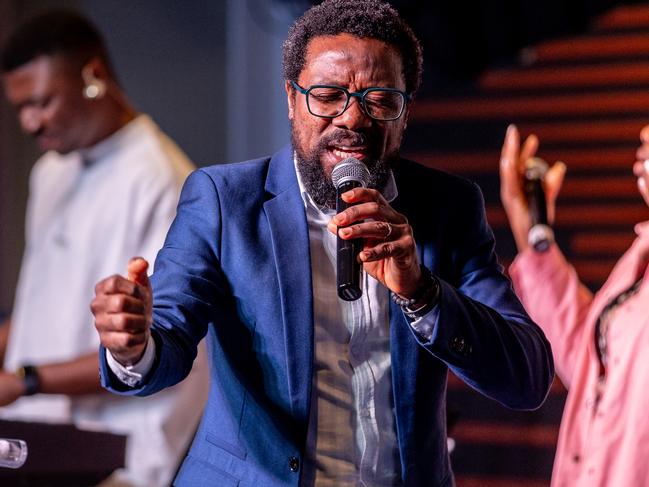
{"x":347,"y":138}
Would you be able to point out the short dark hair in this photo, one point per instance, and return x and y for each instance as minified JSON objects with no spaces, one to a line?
{"x":53,"y":32}
{"x":362,"y":18}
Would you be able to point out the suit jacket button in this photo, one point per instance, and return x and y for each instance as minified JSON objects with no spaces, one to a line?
{"x":294,"y":464}
{"x":461,"y":346}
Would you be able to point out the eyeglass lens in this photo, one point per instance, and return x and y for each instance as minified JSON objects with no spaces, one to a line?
{"x":379,"y":104}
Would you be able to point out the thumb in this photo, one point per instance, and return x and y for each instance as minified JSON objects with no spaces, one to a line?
{"x":136,"y":271}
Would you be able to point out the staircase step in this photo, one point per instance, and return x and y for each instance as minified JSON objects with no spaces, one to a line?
{"x":600,"y":188}
{"x":476,"y":163}
{"x":468,"y":431}
{"x":588,"y":48}
{"x":500,"y":481}
{"x":595,"y":243}
{"x":567,"y":77}
{"x":581,"y":104}
{"x":624,"y":215}
{"x":594,"y":270}
{"x":603,"y":131}
{"x":626,"y":17}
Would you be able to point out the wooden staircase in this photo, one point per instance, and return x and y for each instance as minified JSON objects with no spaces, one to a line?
{"x":586,"y":97}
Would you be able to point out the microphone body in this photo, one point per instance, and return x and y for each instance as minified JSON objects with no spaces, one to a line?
{"x":348,"y":174}
{"x":540,"y":235}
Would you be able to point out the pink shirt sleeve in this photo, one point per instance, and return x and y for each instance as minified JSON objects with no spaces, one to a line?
{"x":557,"y":301}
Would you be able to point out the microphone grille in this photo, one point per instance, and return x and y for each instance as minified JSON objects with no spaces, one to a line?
{"x":535,"y":168}
{"x":350,"y":169}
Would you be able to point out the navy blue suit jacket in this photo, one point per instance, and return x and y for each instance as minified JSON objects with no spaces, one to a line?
{"x":236,"y":267}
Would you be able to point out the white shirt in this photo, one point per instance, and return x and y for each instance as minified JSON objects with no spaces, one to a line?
{"x":351,"y":439}
{"x":88,"y":213}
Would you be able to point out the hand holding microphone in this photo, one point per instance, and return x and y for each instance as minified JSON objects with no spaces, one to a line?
{"x":540,"y":234}
{"x":373,"y":235}
{"x":528,"y":191}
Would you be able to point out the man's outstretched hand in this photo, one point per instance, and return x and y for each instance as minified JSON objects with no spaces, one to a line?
{"x":123,"y":310}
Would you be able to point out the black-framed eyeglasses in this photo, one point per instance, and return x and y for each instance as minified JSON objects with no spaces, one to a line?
{"x":330,"y":101}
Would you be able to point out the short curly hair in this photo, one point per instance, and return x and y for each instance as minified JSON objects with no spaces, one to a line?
{"x":52,"y":32}
{"x":362,"y":18}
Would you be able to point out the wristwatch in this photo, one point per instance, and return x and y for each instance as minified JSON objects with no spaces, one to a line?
{"x":29,"y":375}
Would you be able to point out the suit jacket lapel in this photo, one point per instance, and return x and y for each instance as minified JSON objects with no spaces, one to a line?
{"x":290,"y":241}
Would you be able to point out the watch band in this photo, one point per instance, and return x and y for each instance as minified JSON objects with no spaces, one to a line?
{"x":29,"y":375}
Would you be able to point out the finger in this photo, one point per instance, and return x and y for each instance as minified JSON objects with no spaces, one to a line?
{"x":390,"y":249}
{"x":644,"y":190}
{"x":359,"y":195}
{"x":510,"y":178}
{"x":136,"y":271}
{"x":529,"y":149}
{"x":644,"y":134}
{"x":553,"y":181}
{"x":369,"y":211}
{"x":641,"y":168}
{"x":122,"y":323}
{"x":116,"y":284}
{"x":641,"y":171}
{"x":123,"y":343}
{"x":379,"y":230}
{"x":509,"y":151}
{"x":117,"y":303}
{"x":121,"y":303}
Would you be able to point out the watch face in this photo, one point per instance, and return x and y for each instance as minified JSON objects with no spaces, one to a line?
{"x":29,"y":376}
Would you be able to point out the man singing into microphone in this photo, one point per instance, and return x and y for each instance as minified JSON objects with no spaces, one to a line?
{"x":307,"y":388}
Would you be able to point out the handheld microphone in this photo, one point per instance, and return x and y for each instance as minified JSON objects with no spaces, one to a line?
{"x":348,"y":174}
{"x":540,"y":235}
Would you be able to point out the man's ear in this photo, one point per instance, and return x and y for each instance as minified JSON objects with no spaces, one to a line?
{"x":290,"y":98}
{"x":95,"y":79}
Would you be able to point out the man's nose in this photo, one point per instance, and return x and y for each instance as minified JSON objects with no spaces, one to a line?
{"x":354,"y":117}
{"x":30,"y":120}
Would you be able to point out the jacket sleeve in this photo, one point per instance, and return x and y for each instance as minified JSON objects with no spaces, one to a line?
{"x":556,"y":299}
{"x":189,"y":288}
{"x":482,"y":331}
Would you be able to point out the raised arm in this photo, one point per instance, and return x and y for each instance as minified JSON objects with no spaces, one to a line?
{"x":547,"y":285}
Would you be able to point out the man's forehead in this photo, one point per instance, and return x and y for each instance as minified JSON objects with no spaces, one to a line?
{"x":323,"y":52}
{"x":35,"y":77}
{"x":44,"y":66}
{"x":339,"y":41}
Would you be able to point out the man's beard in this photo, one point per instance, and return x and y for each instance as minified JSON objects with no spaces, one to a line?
{"x":318,"y":184}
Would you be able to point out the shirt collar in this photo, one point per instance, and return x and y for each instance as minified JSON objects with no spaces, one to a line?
{"x":121,"y":137}
{"x":389,"y":192}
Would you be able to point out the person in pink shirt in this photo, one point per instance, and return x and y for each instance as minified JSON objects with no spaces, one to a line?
{"x":600,"y":342}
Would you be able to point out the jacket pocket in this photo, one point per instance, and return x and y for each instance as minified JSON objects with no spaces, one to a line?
{"x":195,"y":471}
{"x":235,"y":450}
